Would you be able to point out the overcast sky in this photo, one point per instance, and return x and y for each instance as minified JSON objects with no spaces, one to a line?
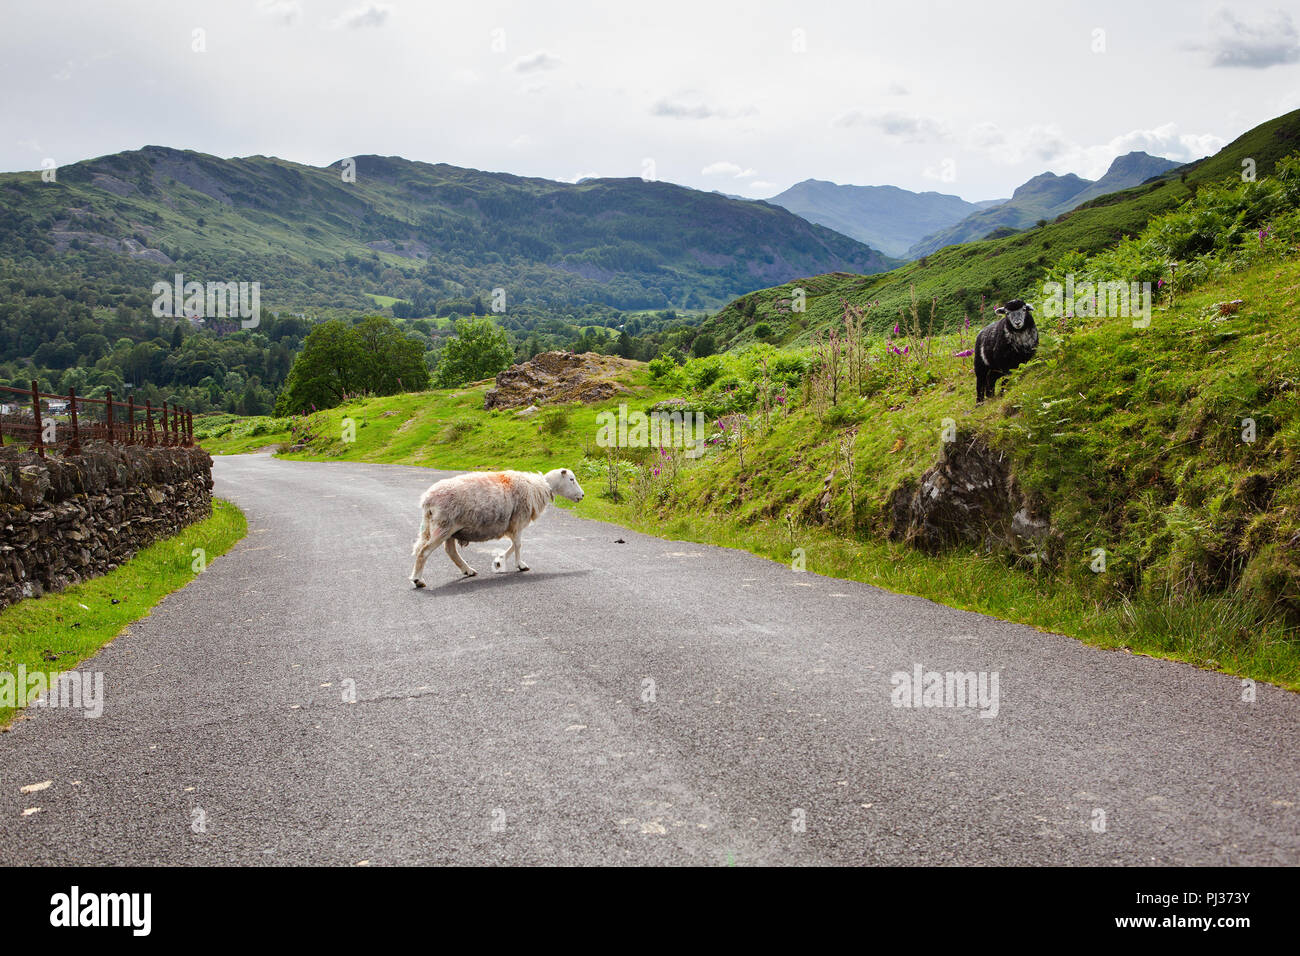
{"x":745,"y":97}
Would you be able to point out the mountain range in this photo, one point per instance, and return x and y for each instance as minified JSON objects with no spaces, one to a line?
{"x":391,"y":226}
{"x":884,"y":217}
{"x":1046,"y":196}
{"x":909,"y":225}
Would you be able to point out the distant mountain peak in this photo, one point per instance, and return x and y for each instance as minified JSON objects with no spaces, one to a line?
{"x":1137,"y":164}
{"x":1135,"y":158}
{"x":1045,"y":196}
{"x":1049,"y":180}
{"x":888,"y":218}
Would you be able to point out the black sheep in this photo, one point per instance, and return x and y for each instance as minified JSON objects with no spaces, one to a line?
{"x":1006,"y":344}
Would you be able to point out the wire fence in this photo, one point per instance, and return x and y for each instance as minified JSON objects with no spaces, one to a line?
{"x":43,"y":421}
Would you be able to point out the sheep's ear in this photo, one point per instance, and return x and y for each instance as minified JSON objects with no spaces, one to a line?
{"x":1000,"y":310}
{"x":1028,"y":307}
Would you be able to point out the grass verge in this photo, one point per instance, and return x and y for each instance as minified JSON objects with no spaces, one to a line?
{"x":58,"y":631}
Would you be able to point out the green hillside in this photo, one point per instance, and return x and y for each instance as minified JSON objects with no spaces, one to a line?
{"x":1044,"y":197}
{"x":413,"y":231}
{"x":959,"y":278}
{"x":1029,"y":203}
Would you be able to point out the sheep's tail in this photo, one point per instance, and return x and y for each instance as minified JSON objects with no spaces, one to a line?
{"x":423,"y":537}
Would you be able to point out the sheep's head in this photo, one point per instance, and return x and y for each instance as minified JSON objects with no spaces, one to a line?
{"x":563,"y":482}
{"x":1017,"y":311}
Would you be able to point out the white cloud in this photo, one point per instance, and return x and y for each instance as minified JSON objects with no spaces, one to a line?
{"x":690,"y":105}
{"x":73,"y":67}
{"x":724,"y":168}
{"x":945,"y":171}
{"x":535,"y":62}
{"x":986,"y":135}
{"x":1168,"y":142}
{"x":908,"y":127}
{"x":523,"y":141}
{"x":1047,"y":145}
{"x":287,"y":12}
{"x":854,"y":117}
{"x":1270,"y":40}
{"x":370,"y":15}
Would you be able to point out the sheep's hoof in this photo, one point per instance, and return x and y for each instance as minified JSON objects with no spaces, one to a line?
{"x":470,"y":572}
{"x":417,"y":582}
{"x":523,"y":567}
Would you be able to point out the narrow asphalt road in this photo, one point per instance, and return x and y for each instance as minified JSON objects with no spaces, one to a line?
{"x":639,"y":702}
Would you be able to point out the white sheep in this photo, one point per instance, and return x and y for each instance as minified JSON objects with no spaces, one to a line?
{"x":484,"y":506}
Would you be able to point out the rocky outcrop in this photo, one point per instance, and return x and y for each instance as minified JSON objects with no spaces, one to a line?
{"x":63,"y":520}
{"x":969,"y":497}
{"x":553,"y":377}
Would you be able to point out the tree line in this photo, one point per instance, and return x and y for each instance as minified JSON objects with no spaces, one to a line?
{"x":65,"y":332}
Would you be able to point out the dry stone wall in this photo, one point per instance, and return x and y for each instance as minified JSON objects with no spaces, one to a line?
{"x":63,"y":520}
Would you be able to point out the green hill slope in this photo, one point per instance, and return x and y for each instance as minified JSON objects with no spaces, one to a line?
{"x":958,"y":278}
{"x":1131,"y":169}
{"x":1046,"y":196}
{"x":409,"y":230}
{"x":1034,"y":200}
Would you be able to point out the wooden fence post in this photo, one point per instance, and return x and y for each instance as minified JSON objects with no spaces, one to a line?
{"x":148,"y":422}
{"x":130,"y":419}
{"x":75,"y":447}
{"x":108,"y":394}
{"x":36,"y":417}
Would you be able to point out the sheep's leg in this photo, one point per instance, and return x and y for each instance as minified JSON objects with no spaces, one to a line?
{"x":514,"y":546}
{"x":423,"y":548}
{"x":455,"y":556}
